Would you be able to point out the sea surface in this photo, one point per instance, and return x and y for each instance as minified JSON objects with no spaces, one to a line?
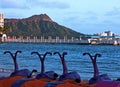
{"x":108,"y":63}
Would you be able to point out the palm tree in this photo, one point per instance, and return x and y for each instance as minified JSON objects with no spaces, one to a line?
{"x":3,"y":30}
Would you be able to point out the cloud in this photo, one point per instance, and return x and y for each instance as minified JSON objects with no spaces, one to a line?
{"x":91,"y":22}
{"x":49,"y":4}
{"x":8,"y":4}
{"x":112,"y":17}
{"x":13,"y":14}
{"x":114,"y":12}
{"x":54,"y":5}
{"x":82,"y":19}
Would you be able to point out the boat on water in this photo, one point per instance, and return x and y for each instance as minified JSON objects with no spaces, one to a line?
{"x":27,"y":78}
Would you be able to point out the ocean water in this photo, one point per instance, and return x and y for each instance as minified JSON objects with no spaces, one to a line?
{"x":108,"y":63}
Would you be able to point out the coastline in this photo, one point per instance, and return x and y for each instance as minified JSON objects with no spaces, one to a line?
{"x":77,"y":42}
{"x":62,"y":43}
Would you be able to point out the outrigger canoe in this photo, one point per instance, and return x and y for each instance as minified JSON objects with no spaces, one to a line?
{"x":26,"y":78}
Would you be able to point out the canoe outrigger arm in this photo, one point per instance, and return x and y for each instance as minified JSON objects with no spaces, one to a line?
{"x":65,"y":69}
{"x":93,"y":58}
{"x":14,"y":57}
{"x":42,"y":59}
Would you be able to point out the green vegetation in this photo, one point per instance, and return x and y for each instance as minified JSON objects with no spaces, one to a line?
{"x":4,"y":30}
{"x":39,"y":25}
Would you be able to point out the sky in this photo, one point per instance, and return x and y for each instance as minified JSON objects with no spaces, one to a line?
{"x":84,"y":16}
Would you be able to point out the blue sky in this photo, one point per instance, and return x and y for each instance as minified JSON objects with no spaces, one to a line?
{"x":85,"y":16}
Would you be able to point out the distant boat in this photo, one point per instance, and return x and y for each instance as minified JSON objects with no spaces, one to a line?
{"x":115,"y":43}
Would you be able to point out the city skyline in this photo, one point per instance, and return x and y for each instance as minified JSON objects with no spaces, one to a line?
{"x":86,"y":16}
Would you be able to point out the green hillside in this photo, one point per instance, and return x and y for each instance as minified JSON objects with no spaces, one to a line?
{"x":39,"y":25}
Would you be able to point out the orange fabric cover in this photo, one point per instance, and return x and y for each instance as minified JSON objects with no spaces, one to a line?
{"x":34,"y":83}
{"x":7,"y":82}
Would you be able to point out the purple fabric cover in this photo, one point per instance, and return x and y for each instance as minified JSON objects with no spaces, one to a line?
{"x":51,"y":75}
{"x":108,"y":84}
{"x":23,"y":72}
{"x":103,"y":77}
{"x":48,"y":74}
{"x":72,"y":75}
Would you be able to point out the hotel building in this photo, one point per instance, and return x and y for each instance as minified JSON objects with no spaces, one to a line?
{"x":1,"y":20}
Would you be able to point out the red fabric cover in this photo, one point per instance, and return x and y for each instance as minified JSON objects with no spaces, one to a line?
{"x":7,"y":82}
{"x":34,"y":83}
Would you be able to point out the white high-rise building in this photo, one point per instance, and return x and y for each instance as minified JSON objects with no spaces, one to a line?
{"x":109,"y":33}
{"x":103,"y":34}
{"x":1,"y":20}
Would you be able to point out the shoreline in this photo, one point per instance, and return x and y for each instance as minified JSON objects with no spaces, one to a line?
{"x":61,"y":43}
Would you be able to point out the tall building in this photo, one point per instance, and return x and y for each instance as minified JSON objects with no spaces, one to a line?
{"x":103,"y":34}
{"x":1,"y":20}
{"x":109,"y":33}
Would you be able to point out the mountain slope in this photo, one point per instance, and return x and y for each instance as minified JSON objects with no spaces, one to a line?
{"x":38,"y":25}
